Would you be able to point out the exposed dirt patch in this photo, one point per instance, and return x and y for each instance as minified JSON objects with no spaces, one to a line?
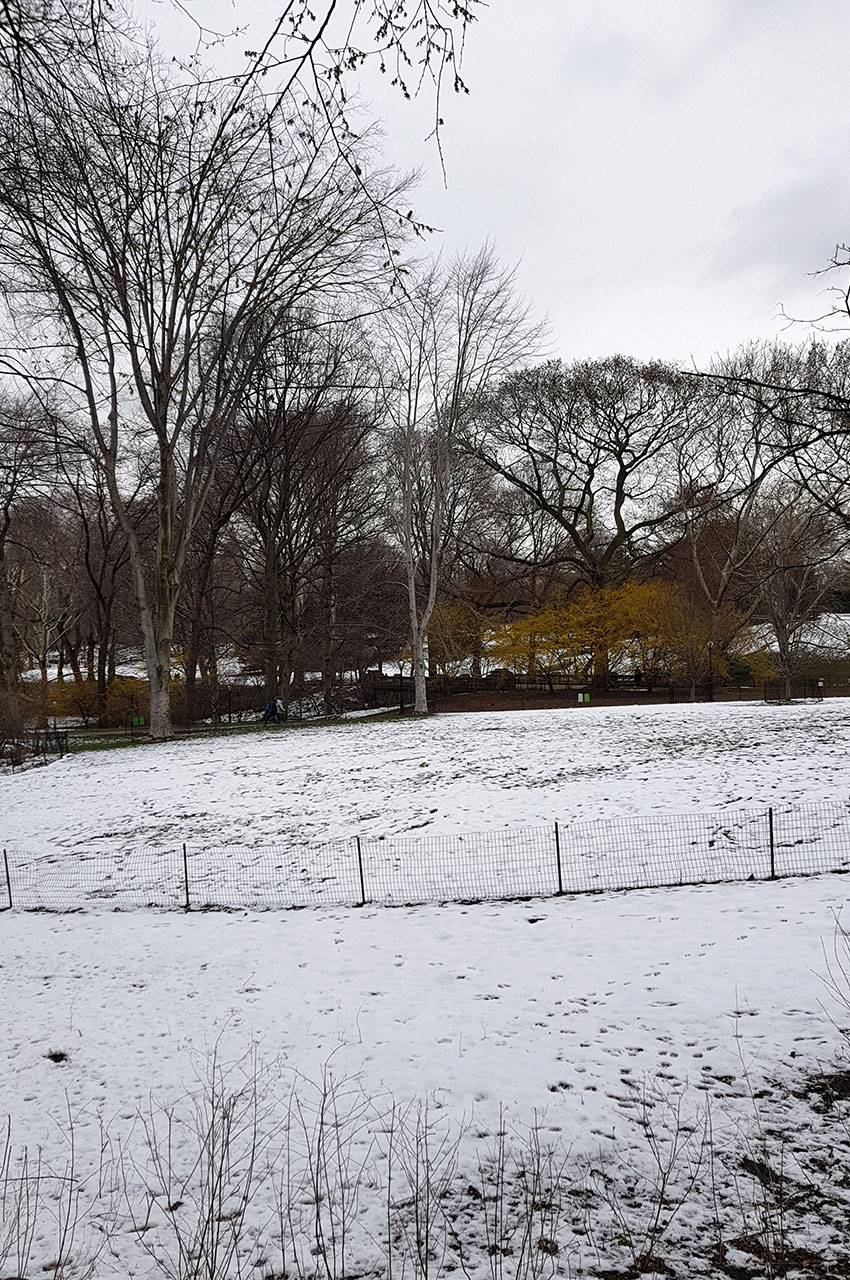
{"x":828,"y":1088}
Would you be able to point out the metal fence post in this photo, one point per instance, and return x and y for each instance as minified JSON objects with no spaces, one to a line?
{"x":360,"y":869}
{"x":8,"y":879}
{"x":772,"y":844}
{"x":558,"y":860}
{"x":185,"y":879}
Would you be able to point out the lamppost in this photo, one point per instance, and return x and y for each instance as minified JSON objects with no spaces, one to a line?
{"x":710,"y":671}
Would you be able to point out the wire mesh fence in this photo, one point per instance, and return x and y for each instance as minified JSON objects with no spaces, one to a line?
{"x":562,"y":858}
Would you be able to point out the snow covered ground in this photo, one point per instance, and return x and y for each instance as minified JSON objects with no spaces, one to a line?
{"x":439,"y":776}
{"x":565,"y":1010}
{"x":453,"y":809}
{"x":599,"y":1019}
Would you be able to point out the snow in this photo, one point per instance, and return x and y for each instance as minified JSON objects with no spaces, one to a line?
{"x":450,"y":774}
{"x":492,"y":1003}
{"x":565,"y":1009}
{"x":828,"y":636}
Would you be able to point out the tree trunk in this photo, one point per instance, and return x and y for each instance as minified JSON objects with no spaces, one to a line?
{"x":291,"y":605}
{"x":419,"y":622}
{"x":102,"y":672}
{"x":7,"y":649}
{"x":420,"y":688}
{"x":73,"y":652}
{"x":157,"y":623}
{"x":692,"y":673}
{"x":191,"y":676}
{"x":783,"y":646}
{"x":159,"y":725}
{"x":329,"y":645}
{"x":270,"y":620}
{"x":601,"y":668}
{"x":419,"y":636}
{"x":196,"y":626}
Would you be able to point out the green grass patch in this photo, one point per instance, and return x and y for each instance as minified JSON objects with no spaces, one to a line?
{"x":85,"y":740}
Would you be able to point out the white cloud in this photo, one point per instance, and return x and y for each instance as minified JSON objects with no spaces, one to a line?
{"x":667,"y":173}
{"x":792,"y":231}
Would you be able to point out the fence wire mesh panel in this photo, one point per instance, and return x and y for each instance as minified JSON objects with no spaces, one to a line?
{"x":810,"y":838}
{"x":273,"y":876}
{"x":495,"y":864}
{"x":65,"y":881}
{"x":581,"y":857}
{"x":665,"y":849}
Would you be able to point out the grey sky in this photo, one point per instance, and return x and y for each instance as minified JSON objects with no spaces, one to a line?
{"x":665,"y":173}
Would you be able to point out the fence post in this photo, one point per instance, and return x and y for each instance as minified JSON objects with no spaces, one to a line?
{"x":360,"y":869}
{"x":185,"y":879}
{"x":8,"y":879}
{"x":772,"y":845}
{"x":558,"y":860}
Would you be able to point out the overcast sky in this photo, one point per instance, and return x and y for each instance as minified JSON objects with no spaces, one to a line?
{"x":666,"y":174}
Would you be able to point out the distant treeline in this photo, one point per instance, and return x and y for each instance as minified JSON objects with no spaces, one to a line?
{"x":241,"y":419}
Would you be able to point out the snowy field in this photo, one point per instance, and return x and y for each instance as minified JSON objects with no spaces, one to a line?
{"x":453,"y":773}
{"x":615,"y":1026}
{"x":454,"y":809}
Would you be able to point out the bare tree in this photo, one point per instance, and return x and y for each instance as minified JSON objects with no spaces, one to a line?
{"x":591,"y":446}
{"x":316,"y":44}
{"x":198,"y":616}
{"x":47,"y":602}
{"x":726,"y":467}
{"x":416,"y":44}
{"x":770,"y":427}
{"x":458,"y":329}
{"x":98,"y":546}
{"x":148,"y":224}
{"x":798,"y":561}
{"x":347,"y":517}
{"x":306,"y":418}
{"x":24,"y":459}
